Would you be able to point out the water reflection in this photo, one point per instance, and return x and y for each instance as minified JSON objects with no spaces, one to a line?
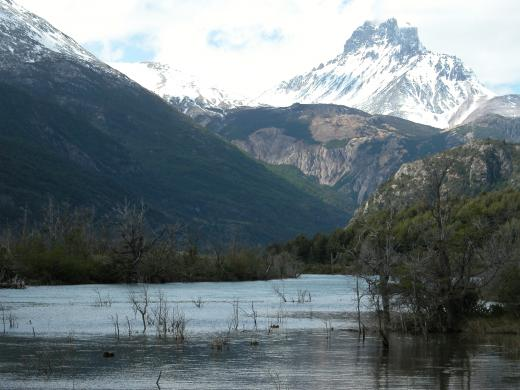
{"x":292,"y":359}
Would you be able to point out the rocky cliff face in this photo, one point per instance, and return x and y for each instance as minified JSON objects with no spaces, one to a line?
{"x":345,"y":148}
{"x":341,"y":147}
{"x":357,"y":167}
{"x":470,"y":169}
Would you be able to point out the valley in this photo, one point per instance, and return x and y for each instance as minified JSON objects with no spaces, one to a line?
{"x":354,"y":225}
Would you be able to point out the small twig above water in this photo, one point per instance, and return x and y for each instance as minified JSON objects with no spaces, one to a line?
{"x":158,"y":380}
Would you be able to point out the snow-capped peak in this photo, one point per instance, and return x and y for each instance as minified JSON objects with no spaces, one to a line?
{"x":387,"y":33}
{"x":384,"y":69}
{"x":30,"y":37}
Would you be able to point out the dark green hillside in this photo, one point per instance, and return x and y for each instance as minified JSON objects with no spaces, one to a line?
{"x":310,"y":185}
{"x":46,"y":151}
{"x":96,"y":138}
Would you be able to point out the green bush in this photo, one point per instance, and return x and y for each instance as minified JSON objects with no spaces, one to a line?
{"x":509,"y":288}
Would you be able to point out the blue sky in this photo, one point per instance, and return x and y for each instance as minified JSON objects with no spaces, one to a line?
{"x":131,"y":49}
{"x":244,"y":38}
{"x":239,"y":44}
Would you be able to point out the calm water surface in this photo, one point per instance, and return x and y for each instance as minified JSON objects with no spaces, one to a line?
{"x":60,"y":334}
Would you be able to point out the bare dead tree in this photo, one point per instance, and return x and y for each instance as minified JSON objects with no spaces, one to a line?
{"x":218,"y":248}
{"x":178,"y":324}
{"x":277,"y":381}
{"x":52,"y":221}
{"x":140,"y":303}
{"x":198,"y":302}
{"x":128,"y":327}
{"x":303,"y":296}
{"x":4,"y":318}
{"x":115,"y":323}
{"x":101,"y":300}
{"x":161,"y":316}
{"x":136,"y":237}
{"x":280,"y":291}
{"x":253,"y":315}
{"x":159,"y":261}
{"x":158,"y":380}
{"x":234,"y":321}
{"x":378,"y":257}
{"x":358,"y":304}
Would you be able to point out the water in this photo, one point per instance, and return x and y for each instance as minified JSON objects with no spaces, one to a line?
{"x":71,"y":332}
{"x":60,"y":310}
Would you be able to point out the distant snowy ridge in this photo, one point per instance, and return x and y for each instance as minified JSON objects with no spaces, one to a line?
{"x":179,"y":88}
{"x":507,"y":106}
{"x":385,"y":69}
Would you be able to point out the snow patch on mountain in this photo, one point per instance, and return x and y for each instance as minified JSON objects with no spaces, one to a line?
{"x":30,"y":37}
{"x":178,"y":87}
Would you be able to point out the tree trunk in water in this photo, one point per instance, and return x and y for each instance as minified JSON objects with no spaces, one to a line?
{"x":358,"y":305}
{"x":385,"y":298}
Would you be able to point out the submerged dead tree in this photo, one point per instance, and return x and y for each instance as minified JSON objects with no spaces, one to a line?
{"x":140,"y":303}
{"x":377,"y":258}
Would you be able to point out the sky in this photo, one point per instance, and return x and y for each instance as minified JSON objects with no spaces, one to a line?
{"x":248,"y":46}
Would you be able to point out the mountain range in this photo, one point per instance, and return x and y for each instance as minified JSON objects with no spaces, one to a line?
{"x":384,"y":69}
{"x":346,"y":149}
{"x":81,"y":131}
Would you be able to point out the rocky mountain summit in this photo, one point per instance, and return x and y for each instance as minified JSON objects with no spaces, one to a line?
{"x":383,"y":69}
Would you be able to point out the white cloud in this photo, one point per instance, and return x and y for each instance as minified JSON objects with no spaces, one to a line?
{"x":483,"y":33}
{"x":247,"y":46}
